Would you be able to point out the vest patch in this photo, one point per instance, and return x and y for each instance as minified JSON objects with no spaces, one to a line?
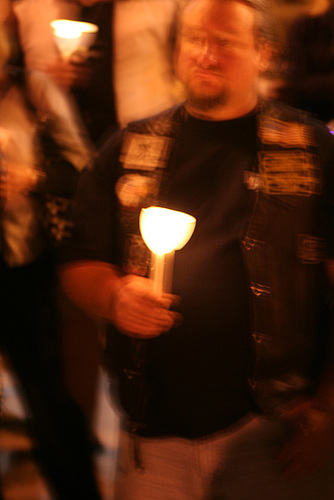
{"x":310,"y":249}
{"x":144,"y":151}
{"x":133,"y":189}
{"x":285,"y":134}
{"x":289,"y":173}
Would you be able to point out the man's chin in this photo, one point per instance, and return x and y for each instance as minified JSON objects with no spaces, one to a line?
{"x":206,"y":102}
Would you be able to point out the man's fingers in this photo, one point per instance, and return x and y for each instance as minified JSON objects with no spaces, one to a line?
{"x":152,"y":321}
{"x":140,"y":312}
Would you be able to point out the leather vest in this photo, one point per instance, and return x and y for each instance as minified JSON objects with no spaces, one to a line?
{"x":281,"y":249}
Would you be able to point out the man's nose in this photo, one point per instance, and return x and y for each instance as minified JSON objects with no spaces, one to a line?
{"x":208,"y":54}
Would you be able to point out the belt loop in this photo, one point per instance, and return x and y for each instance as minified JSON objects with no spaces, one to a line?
{"x":133,"y":427}
{"x":137,"y":454}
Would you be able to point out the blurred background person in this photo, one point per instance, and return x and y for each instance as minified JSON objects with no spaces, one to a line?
{"x":86,"y":78}
{"x":49,"y":93}
{"x":75,"y":97}
{"x":29,"y":338}
{"x":145,"y":82}
{"x":128,"y":75}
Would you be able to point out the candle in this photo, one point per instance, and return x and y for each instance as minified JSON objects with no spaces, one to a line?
{"x":73,"y":36}
{"x":164,"y":231}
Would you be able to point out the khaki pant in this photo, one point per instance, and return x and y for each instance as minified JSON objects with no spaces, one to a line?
{"x":236,"y":465}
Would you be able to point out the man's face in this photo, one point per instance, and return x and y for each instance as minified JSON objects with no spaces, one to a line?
{"x":217,"y":58}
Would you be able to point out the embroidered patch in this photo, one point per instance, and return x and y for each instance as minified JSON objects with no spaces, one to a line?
{"x":133,"y":189}
{"x":310,"y":249}
{"x":290,"y":173}
{"x":286,"y":134}
{"x":136,"y":256}
{"x":145,"y":152}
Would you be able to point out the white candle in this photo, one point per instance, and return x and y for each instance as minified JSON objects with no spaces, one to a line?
{"x":73,"y":36}
{"x":164,"y":231}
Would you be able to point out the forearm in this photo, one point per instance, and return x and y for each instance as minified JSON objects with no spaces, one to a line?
{"x":92,"y":285}
{"x":129,"y":302}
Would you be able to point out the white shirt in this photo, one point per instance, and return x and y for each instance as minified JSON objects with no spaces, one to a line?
{"x":144,"y":80}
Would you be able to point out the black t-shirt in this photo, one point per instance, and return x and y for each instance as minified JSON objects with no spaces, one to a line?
{"x":198,"y":372}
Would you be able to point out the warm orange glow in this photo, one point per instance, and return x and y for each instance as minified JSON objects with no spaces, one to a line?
{"x":165,"y":230}
{"x":72,"y":36}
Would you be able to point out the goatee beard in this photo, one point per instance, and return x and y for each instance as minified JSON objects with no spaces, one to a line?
{"x":206,"y":102}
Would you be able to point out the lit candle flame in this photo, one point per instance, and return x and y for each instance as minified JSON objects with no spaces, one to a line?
{"x":72,"y":36}
{"x":164,"y":231}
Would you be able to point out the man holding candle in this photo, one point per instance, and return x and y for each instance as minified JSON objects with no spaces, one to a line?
{"x":227,"y":384}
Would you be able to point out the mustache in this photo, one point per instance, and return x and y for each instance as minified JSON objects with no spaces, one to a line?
{"x":213,"y":70}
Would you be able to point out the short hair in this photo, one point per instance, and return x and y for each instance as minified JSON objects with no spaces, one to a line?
{"x":265,"y":27}
{"x":264,"y":19}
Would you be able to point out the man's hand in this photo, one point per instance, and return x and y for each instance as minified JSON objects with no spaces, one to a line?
{"x":68,"y":75}
{"x":129,"y":302}
{"x":312,"y":439}
{"x":138,"y":311}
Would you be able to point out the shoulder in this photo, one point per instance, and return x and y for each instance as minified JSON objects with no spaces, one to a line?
{"x":112,"y":142}
{"x":162,"y":124}
{"x":283,"y":112}
{"x":314,"y":134}
{"x":280,"y":110}
{"x":159,"y":124}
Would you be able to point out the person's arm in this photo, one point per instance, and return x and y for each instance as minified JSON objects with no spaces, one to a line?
{"x":69,"y":74}
{"x":312,"y":420}
{"x":129,"y":302}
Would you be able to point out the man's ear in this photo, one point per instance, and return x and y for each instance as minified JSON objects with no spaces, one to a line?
{"x":265,"y":55}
